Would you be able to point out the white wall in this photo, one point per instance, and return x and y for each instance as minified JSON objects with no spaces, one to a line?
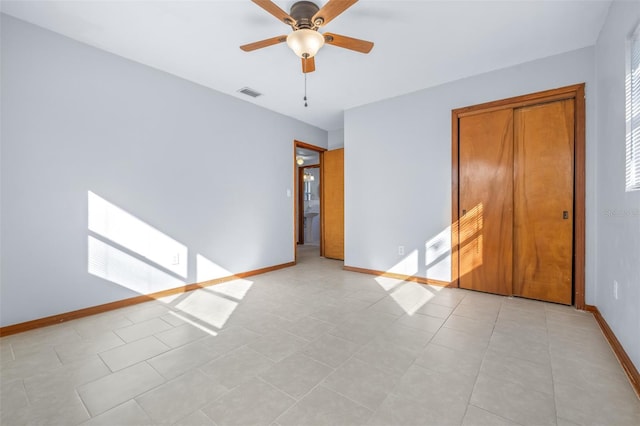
{"x":398,"y":166}
{"x":207,"y":170}
{"x":618,"y":212}
{"x":336,"y":139}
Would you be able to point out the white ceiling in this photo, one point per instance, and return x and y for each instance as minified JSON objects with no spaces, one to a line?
{"x":418,"y":44}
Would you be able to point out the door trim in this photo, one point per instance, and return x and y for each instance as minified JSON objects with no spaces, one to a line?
{"x":576,"y":92}
{"x":320,"y":151}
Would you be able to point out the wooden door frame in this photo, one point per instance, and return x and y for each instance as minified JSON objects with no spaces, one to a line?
{"x":575,"y":92}
{"x":320,"y":151}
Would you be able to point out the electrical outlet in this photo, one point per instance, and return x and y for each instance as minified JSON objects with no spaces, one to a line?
{"x":175,"y":260}
{"x":400,"y":250}
{"x":615,"y":289}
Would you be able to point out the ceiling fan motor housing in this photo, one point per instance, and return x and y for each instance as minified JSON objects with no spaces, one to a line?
{"x":305,"y":19}
{"x":303,"y":12}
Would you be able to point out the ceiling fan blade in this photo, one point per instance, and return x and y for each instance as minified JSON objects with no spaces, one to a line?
{"x":263,"y":43}
{"x":273,"y":9}
{"x":308,"y":65}
{"x":350,"y":43}
{"x":330,"y":10}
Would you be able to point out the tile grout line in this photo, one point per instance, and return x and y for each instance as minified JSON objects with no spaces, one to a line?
{"x":140,"y":405}
{"x":84,"y":405}
{"x":317,"y":385}
{"x":475,"y":382}
{"x":26,"y":394}
{"x":513,"y":382}
{"x":296,"y":401}
{"x":321,"y":382}
{"x":480,"y":370}
{"x":553,"y":379}
{"x":390,"y":392}
{"x":484,"y":354}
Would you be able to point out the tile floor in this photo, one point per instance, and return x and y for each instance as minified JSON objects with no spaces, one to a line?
{"x":315,"y":345}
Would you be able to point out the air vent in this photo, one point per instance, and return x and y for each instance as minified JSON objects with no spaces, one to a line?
{"x":250,"y":92}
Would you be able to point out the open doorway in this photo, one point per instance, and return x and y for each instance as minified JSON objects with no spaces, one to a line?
{"x":308,"y":199}
{"x":309,"y":204}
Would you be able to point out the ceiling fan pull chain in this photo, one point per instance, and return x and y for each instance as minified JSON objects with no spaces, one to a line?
{"x":305,"y":91}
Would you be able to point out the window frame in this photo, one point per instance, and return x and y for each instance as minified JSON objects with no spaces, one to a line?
{"x":632,"y":112}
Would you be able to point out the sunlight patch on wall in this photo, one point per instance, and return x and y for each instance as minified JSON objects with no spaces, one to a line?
{"x":113,"y":223}
{"x":207,"y":270}
{"x":112,"y":264}
{"x":407,"y":266}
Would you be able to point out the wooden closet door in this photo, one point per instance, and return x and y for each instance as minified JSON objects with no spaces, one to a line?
{"x":333,"y":204}
{"x":486,"y":201}
{"x":543,"y":201}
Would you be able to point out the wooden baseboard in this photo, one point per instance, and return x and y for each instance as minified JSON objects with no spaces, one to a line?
{"x":93,"y":310}
{"x":618,"y":350}
{"x":411,"y":278}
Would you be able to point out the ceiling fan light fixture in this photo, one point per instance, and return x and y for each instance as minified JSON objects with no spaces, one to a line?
{"x":305,"y":42}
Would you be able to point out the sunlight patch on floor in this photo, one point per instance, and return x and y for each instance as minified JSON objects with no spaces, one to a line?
{"x":193,"y":323}
{"x":207,"y":307}
{"x":411,"y":296}
{"x":236,"y":288}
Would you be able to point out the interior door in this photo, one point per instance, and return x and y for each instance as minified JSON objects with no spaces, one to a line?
{"x":332,"y":206}
{"x":543,"y":201}
{"x":486,"y":201}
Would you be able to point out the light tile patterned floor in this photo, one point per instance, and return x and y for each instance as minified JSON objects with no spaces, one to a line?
{"x":315,"y":345}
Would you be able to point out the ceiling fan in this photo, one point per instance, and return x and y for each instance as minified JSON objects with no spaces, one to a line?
{"x":305,"y":18}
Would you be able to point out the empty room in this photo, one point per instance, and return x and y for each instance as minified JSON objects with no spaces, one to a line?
{"x":331,"y":212}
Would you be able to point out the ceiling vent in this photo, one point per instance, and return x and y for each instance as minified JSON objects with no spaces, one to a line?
{"x":250,"y":92}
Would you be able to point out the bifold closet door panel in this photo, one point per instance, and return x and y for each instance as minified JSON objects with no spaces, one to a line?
{"x":543,"y":201}
{"x":486,"y":201}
